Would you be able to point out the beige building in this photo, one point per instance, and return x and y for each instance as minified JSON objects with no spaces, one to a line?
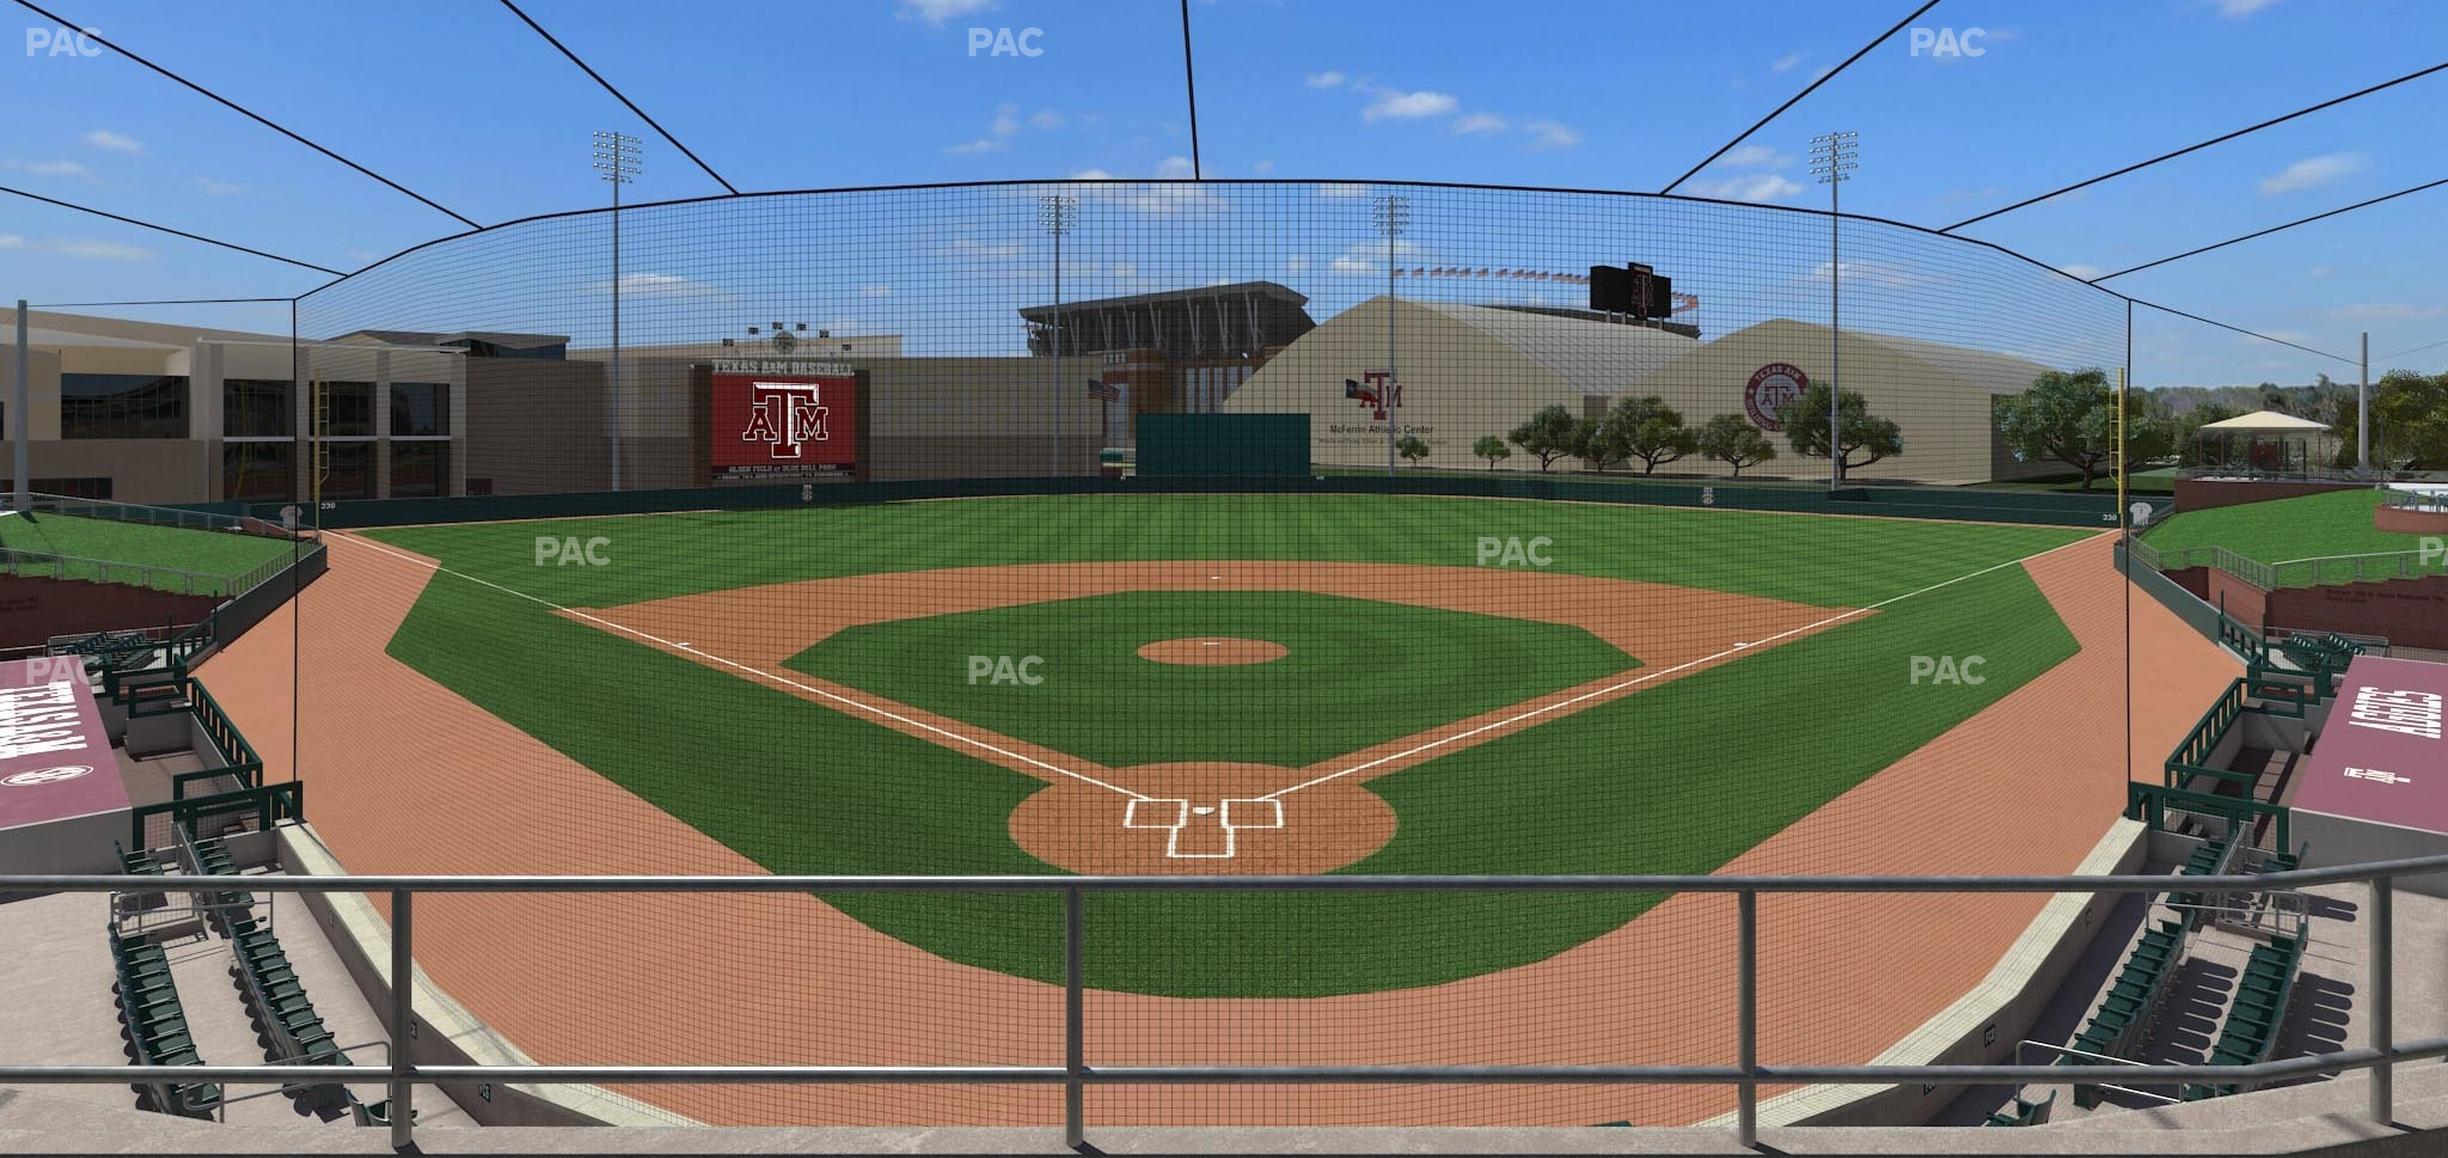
{"x":143,"y":412}
{"x":1465,"y":371}
{"x":1469,"y":371}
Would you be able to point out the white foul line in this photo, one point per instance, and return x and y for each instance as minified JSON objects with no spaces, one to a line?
{"x":756,"y":673}
{"x":1610,"y":689}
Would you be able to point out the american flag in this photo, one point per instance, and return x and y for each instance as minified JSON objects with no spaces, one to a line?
{"x":1100,"y":388}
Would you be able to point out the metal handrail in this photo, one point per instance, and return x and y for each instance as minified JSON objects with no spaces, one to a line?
{"x":1075,"y":1074}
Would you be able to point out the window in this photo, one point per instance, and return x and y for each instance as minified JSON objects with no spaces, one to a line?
{"x":419,"y":409}
{"x":123,"y":406}
{"x":257,"y":471}
{"x":255,"y":408}
{"x":75,"y":488}
{"x":420,"y":470}
{"x":348,"y":470}
{"x":348,"y":408}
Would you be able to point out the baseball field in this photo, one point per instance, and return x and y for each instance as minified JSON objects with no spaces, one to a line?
{"x":1234,"y":683}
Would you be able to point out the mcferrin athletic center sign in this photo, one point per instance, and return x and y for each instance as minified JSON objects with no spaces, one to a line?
{"x":778,"y":418}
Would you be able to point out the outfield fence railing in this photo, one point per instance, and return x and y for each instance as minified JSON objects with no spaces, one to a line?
{"x":1078,"y":1070}
{"x":73,"y":507}
{"x":2371,"y":567}
{"x":45,"y":565}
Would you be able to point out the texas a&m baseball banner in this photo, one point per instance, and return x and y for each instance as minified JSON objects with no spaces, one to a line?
{"x":777,"y":419}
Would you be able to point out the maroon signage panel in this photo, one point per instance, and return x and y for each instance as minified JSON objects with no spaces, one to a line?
{"x":2380,"y":756}
{"x":779,"y":424}
{"x":55,"y":758}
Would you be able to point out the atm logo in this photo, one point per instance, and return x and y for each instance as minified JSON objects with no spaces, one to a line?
{"x":787,"y":416}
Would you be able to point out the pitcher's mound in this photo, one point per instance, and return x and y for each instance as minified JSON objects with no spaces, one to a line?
{"x":1207,"y":652}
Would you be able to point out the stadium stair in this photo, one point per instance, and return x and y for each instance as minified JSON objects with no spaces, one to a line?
{"x":212,"y":858}
{"x":2208,"y":860}
{"x":2025,"y":1112}
{"x":139,"y":863}
{"x":2251,"y":1029}
{"x":2125,"y":1014}
{"x":155,"y":1026}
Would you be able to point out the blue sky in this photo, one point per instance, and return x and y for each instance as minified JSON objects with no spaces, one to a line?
{"x":457,"y":100}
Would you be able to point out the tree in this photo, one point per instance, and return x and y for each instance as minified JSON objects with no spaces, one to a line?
{"x":1598,"y":442}
{"x":2410,"y":418}
{"x":1547,"y":436}
{"x":1491,"y":448}
{"x":1649,"y":430}
{"x":2072,"y":417}
{"x":1861,"y":437}
{"x":1410,"y":447}
{"x":1732,"y":440}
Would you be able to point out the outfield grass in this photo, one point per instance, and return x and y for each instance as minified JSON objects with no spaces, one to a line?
{"x":219,"y":555}
{"x":1357,"y":672}
{"x":1676,"y":779}
{"x":2307,"y":527}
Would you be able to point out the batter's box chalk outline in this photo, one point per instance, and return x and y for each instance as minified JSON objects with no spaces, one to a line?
{"x":1258,"y":812}
{"x":1144,"y":812}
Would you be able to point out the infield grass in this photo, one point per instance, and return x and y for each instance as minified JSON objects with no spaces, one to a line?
{"x":1678,"y":778}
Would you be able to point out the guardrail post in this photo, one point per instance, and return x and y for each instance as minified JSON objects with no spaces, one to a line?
{"x":1746,"y":1024}
{"x":1075,"y":1028}
{"x":2383,"y":1001}
{"x":403,"y":992}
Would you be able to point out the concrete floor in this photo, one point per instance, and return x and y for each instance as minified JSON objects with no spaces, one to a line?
{"x":58,"y":948}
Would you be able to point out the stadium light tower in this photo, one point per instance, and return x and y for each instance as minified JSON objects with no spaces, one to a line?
{"x":1058,"y":212}
{"x":618,"y":160}
{"x":1831,"y":156}
{"x":1392,"y":215}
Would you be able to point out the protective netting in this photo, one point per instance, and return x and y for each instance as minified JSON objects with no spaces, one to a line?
{"x":981,"y":574}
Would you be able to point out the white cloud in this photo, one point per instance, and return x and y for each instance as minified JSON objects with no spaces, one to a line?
{"x":98,"y":250}
{"x":1006,"y":120}
{"x":2239,"y":9}
{"x":1480,"y":123}
{"x":11,"y":241}
{"x":936,"y":12}
{"x":49,"y":168}
{"x":1342,"y":190}
{"x":1368,"y":257}
{"x":978,"y":145}
{"x":1754,"y":157}
{"x":1884,"y":274}
{"x":1175,"y":168}
{"x":875,"y":291}
{"x":1786,"y":63}
{"x":1045,"y":120}
{"x":1262,"y":168}
{"x":2310,"y":172}
{"x":2080,"y":270}
{"x":1752,"y":187}
{"x":1551,"y":135}
{"x":115,"y":142}
{"x":1327,"y":79}
{"x":1409,"y":105}
{"x":661,"y":285}
{"x":213,"y":188}
{"x":1296,"y":264}
{"x":2389,"y":312}
{"x":1093,"y":175}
